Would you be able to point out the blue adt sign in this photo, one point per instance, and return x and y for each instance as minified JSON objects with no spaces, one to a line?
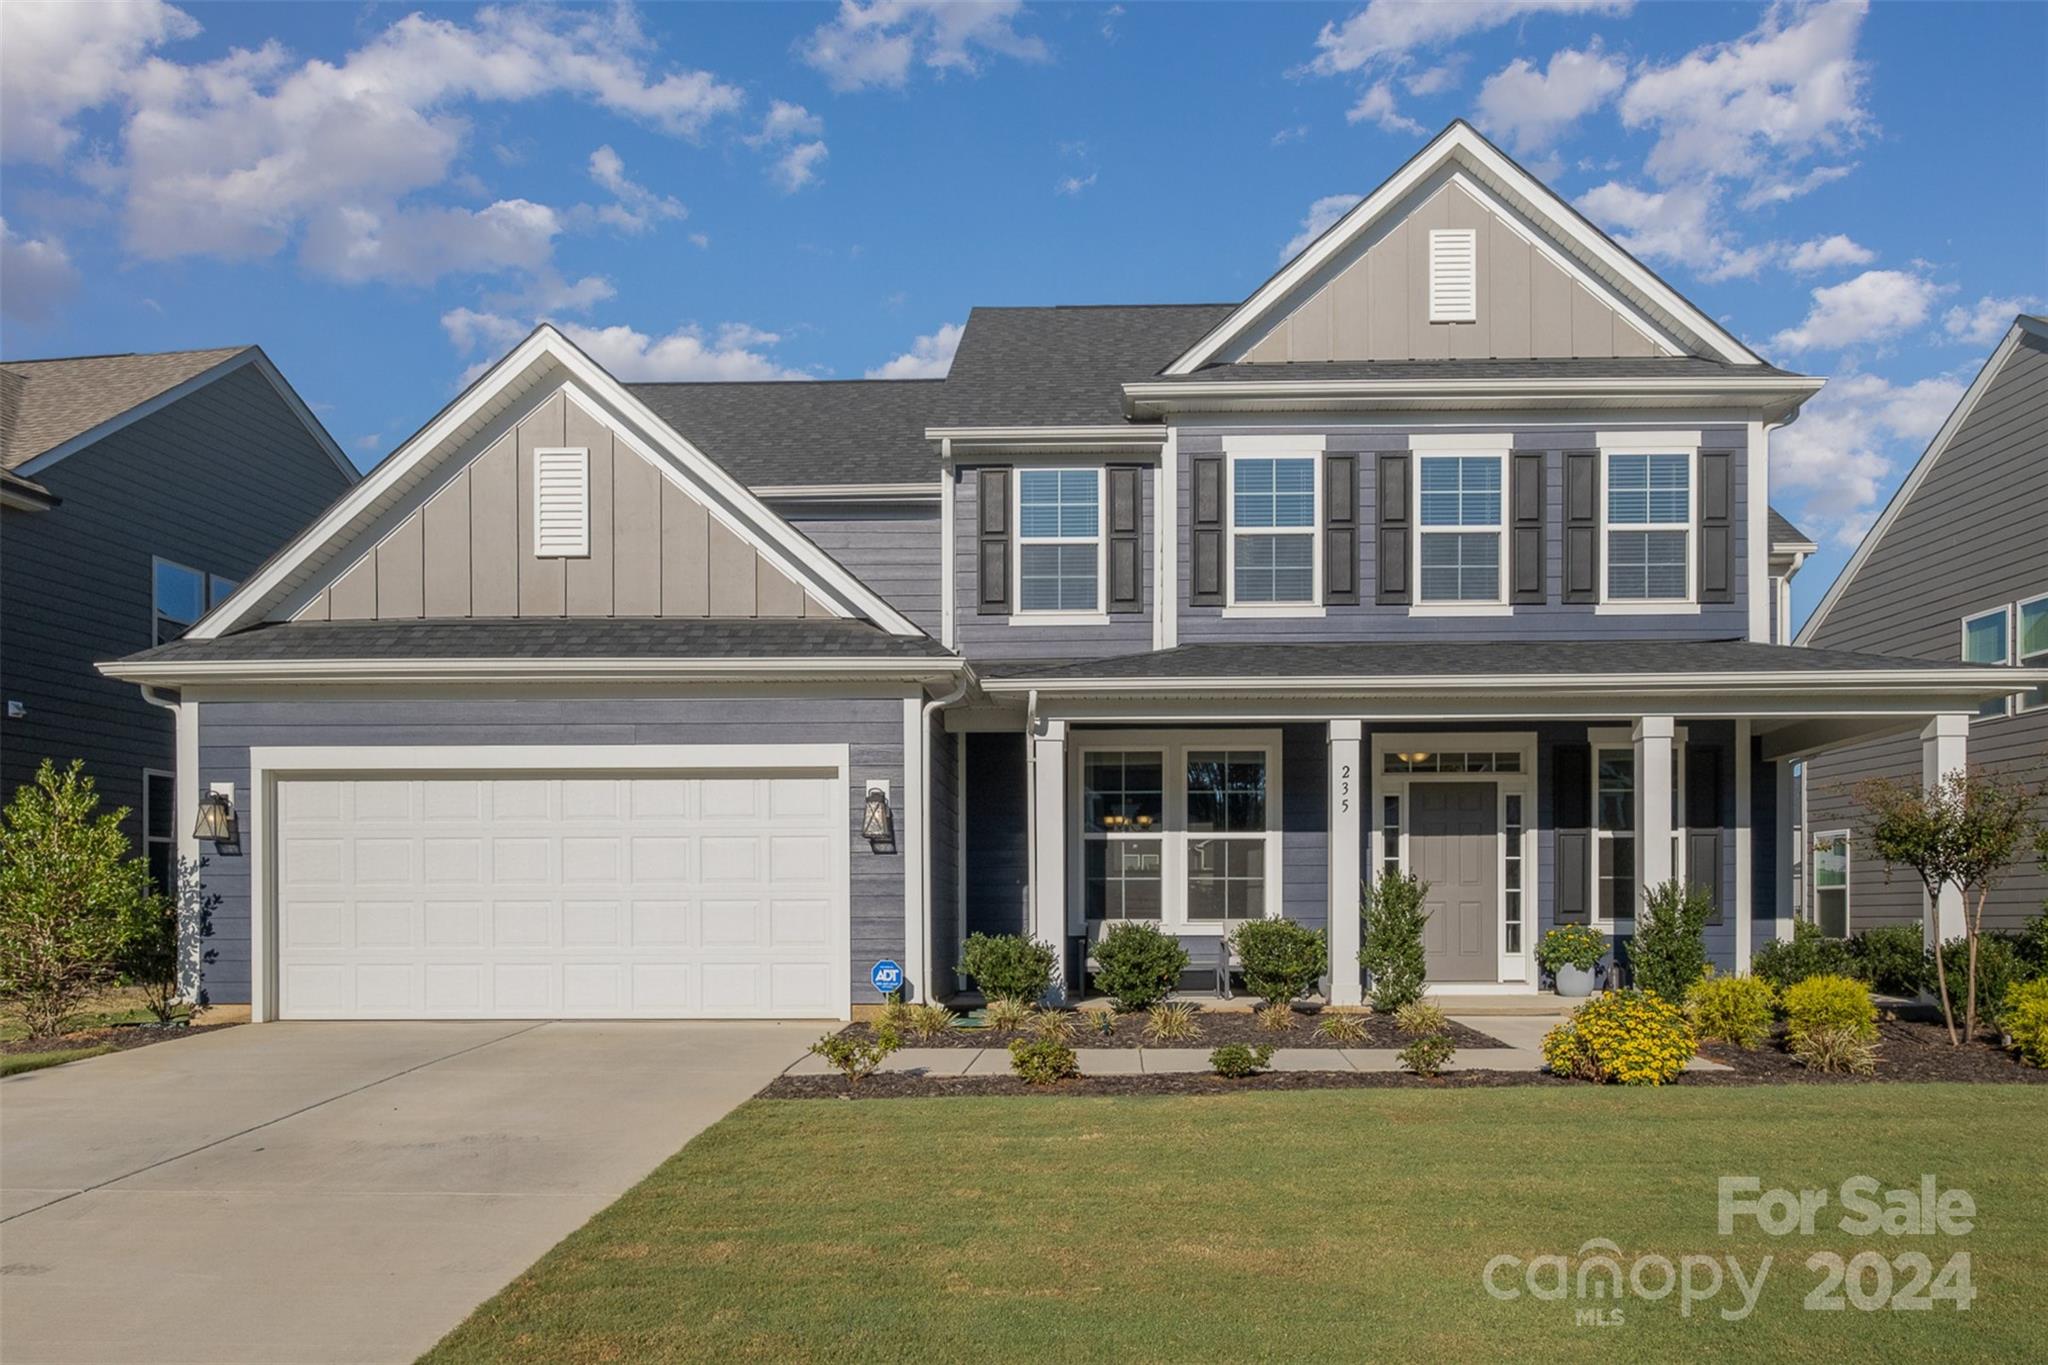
{"x":887,"y":976}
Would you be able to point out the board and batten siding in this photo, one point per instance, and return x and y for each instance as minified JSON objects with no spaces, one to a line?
{"x":873,"y":727}
{"x":894,"y":550}
{"x":468,"y":551}
{"x":1372,"y":303}
{"x":1554,"y":619}
{"x":1974,"y":535}
{"x":215,"y":481}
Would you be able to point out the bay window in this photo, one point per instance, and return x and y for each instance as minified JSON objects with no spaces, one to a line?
{"x":1059,"y":540}
{"x":1460,"y":526}
{"x":1273,"y":529}
{"x":1649,"y":527}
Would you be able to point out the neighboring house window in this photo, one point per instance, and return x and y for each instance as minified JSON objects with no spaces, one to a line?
{"x":1649,"y":528}
{"x":1273,"y":529}
{"x":180,"y":599}
{"x":1831,"y":883}
{"x":159,"y":826}
{"x":219,"y":590}
{"x":1059,"y":540}
{"x":1460,"y":528}
{"x":1183,"y":834}
{"x":1615,"y":890}
{"x":1986,"y":640}
{"x":1453,"y":275}
{"x":2033,"y":648}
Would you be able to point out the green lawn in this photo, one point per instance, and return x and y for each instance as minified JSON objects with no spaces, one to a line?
{"x":1337,"y":1225}
{"x":13,"y":1063}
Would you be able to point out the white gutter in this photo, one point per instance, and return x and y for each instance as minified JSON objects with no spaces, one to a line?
{"x":1152,"y":398}
{"x":984,"y":439}
{"x":849,"y":492}
{"x":175,"y":672}
{"x":1913,"y":682}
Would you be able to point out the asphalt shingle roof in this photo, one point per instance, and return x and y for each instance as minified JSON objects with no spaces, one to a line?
{"x":44,"y":403}
{"x":1783,"y":532}
{"x":1064,"y":366}
{"x":806,"y":432}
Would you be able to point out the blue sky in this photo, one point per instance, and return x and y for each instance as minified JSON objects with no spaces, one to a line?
{"x":384,"y":197}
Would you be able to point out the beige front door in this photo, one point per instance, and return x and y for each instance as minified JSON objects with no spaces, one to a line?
{"x":1454,"y":845}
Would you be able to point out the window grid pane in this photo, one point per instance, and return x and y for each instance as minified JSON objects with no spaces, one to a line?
{"x":1461,"y":490}
{"x":1057,"y":577}
{"x":1269,"y":494}
{"x":1274,"y":568}
{"x":1460,"y":566}
{"x":1122,"y":879}
{"x":1647,"y":565}
{"x":1058,"y":504}
{"x":1649,"y":490}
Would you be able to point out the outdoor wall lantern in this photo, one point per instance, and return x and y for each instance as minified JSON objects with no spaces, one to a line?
{"x":877,"y":825}
{"x":216,"y":817}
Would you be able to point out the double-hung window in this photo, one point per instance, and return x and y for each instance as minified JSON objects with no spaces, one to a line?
{"x":1059,"y":540}
{"x":1987,"y":640}
{"x":1460,"y":526}
{"x":1615,"y":883}
{"x":1273,"y":529}
{"x":160,"y":827}
{"x":1831,"y":883}
{"x":1649,"y":527}
{"x":1123,"y":834}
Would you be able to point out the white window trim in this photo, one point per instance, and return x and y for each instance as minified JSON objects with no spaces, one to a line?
{"x":2011,"y":651}
{"x":1515,"y":969}
{"x":581,"y":550}
{"x":1652,"y":606}
{"x":2019,"y":706}
{"x":156,"y":616}
{"x":1470,"y":238}
{"x":1022,"y":616}
{"x":1848,"y":881}
{"x":1172,"y":746}
{"x":1498,"y":605}
{"x":1314,"y":530}
{"x":1678,"y":828}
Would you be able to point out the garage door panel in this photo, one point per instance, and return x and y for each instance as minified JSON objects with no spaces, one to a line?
{"x":572,"y":897}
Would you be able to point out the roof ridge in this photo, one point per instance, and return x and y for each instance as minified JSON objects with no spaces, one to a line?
{"x":133,"y":355}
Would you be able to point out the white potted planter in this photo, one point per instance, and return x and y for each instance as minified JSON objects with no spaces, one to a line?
{"x":1572,"y":954}
{"x":1577,"y":981}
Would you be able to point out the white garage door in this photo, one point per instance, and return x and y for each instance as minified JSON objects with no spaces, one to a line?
{"x":527,"y":898}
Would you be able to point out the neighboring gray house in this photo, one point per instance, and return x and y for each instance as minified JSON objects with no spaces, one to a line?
{"x":136,"y":491}
{"x":1449,"y":549}
{"x":1955,"y":570}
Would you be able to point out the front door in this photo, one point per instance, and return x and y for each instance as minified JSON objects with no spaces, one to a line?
{"x":1454,"y":845}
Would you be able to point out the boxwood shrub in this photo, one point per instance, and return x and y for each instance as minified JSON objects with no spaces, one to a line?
{"x":1008,"y":966}
{"x":1282,"y":960}
{"x":1137,"y":966}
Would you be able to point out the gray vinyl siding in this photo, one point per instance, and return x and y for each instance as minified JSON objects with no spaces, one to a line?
{"x":894,"y":550}
{"x":993,"y":637}
{"x":872,"y":727}
{"x":216,"y":481}
{"x":1555,"y":619}
{"x":1973,"y":536}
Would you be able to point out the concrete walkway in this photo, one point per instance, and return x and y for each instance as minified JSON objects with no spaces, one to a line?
{"x":336,"y":1191}
{"x":1523,"y":1036}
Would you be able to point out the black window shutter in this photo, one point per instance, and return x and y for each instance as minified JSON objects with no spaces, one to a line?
{"x":1392,"y":471}
{"x":1571,"y":799}
{"x":1340,"y":530}
{"x":993,"y":500}
{"x":1526,"y":527}
{"x":1717,"y":522}
{"x":1582,"y":526}
{"x":1205,"y":531}
{"x":1126,"y":568}
{"x":1703,"y":824}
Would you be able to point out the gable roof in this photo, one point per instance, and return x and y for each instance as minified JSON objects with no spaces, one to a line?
{"x":403,"y":481}
{"x":806,"y":433}
{"x":1786,"y":536}
{"x":1063,"y":365}
{"x":1461,"y":145}
{"x":51,"y":408}
{"x":2023,"y":326}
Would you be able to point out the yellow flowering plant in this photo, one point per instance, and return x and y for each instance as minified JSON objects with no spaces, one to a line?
{"x":1628,"y":1037}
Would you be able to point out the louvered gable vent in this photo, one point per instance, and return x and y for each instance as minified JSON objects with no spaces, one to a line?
{"x":561,"y":503}
{"x":1453,"y":275}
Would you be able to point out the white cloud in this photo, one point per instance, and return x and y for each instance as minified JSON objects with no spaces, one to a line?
{"x":1109,"y":18}
{"x":1828,"y":253}
{"x":786,"y":122}
{"x":876,"y":44}
{"x":470,"y":330}
{"x":1787,"y":89}
{"x":59,"y":59}
{"x":1874,"y":306}
{"x":1850,"y":440}
{"x":1386,"y":31}
{"x":354,"y":243}
{"x":929,"y":357}
{"x":1531,"y":109}
{"x":798,"y":166}
{"x":1986,"y":320}
{"x":1287,"y":135}
{"x":736,"y":352}
{"x":1377,"y":105}
{"x":1317,"y":221}
{"x":634,"y":208}
{"x":1676,"y":225}
{"x":36,"y":275}
{"x":799,"y":134}
{"x":1074,"y":184}
{"x":1768,"y":191}
{"x":1435,"y":80}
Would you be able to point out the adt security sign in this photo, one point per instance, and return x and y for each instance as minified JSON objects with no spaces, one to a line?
{"x":887,"y":976}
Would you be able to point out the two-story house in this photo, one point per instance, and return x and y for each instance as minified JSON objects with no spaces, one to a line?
{"x":1449,"y":549}
{"x":136,"y":493}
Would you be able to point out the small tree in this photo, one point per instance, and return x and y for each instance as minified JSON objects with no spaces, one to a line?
{"x":69,"y":895}
{"x":1962,"y":832}
{"x":1670,"y":949}
{"x":1393,"y":955}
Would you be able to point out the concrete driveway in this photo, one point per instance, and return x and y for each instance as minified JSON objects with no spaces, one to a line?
{"x":332,"y":1191}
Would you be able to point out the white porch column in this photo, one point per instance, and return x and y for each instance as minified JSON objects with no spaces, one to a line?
{"x":1653,"y":736}
{"x":1049,"y":844}
{"x":1787,"y":909}
{"x":1745,"y":849}
{"x":1348,"y":788}
{"x":1944,"y":746}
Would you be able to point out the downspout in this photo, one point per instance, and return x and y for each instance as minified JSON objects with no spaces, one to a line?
{"x":924,"y":758}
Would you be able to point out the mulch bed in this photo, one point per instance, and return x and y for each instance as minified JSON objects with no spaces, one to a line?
{"x":1218,"y":1027}
{"x":1907,"y":1050}
{"x":121,"y":1037}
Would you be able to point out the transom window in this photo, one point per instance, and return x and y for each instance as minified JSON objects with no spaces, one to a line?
{"x":1649,"y":527}
{"x":1273,"y":529}
{"x":1180,"y":834}
{"x":1460,"y":528}
{"x":1615,"y":888}
{"x":1457,"y":761}
{"x":1059,"y":540}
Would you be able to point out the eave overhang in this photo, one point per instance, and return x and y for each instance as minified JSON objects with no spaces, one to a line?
{"x":1775,"y":398}
{"x":329,"y":672}
{"x":1031,"y":440}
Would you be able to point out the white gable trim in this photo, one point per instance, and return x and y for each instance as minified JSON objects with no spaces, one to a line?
{"x":491,"y":405}
{"x":1921,"y":468}
{"x":252,"y":355}
{"x":1462,"y":144}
